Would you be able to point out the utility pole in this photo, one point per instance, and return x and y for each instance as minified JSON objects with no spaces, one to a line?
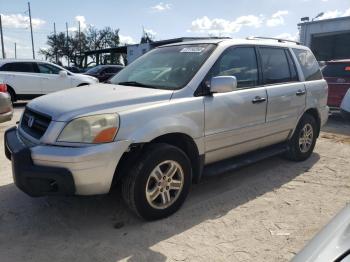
{"x":79,"y":46}
{"x":54,"y":30}
{"x":31,"y":29}
{"x":15,"y":50}
{"x":67,"y":43}
{"x":2,"y":40}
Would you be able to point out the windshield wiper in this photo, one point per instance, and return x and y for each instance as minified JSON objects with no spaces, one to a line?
{"x":135,"y":83}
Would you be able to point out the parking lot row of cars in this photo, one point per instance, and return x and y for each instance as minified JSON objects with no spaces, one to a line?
{"x":26,"y":79}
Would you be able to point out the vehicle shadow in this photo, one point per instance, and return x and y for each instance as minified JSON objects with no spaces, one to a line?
{"x":337,"y":125}
{"x":102,"y":229}
{"x":20,"y":104}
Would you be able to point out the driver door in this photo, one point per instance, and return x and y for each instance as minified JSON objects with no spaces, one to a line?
{"x":234,"y":121}
{"x":51,"y":81}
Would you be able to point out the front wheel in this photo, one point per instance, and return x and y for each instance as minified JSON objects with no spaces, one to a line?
{"x":159,"y":183}
{"x":303,"y":140}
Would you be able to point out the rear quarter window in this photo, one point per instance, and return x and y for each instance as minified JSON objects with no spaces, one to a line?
{"x":25,"y":67}
{"x":308,"y":63}
{"x":336,"y":70}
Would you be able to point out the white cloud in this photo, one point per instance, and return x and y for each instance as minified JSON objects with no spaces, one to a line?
{"x":161,"y":7}
{"x":288,"y":36}
{"x":20,"y":21}
{"x":126,"y":40}
{"x":277,"y":19}
{"x":83,"y":24}
{"x":334,"y":14}
{"x":151,"y":32}
{"x":219,"y":25}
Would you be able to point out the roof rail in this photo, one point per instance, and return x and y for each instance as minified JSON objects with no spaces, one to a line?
{"x":280,"y":40}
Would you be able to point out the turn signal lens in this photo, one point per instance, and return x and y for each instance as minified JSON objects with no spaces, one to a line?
{"x":106,"y":135}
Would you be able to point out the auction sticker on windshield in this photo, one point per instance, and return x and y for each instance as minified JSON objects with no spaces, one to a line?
{"x":195,"y":49}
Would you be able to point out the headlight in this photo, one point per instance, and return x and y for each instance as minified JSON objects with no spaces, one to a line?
{"x":91,"y":129}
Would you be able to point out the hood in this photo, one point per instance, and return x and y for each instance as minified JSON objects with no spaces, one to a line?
{"x":93,"y":99}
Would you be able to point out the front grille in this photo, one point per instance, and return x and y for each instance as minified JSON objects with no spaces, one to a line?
{"x":34,"y":123}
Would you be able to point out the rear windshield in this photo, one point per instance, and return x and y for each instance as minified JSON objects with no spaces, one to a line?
{"x":336,"y":70}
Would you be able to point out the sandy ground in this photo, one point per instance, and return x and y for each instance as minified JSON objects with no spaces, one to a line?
{"x":264,"y":212}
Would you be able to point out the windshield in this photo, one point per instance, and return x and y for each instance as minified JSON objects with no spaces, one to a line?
{"x":94,"y":70}
{"x":169,"y":68}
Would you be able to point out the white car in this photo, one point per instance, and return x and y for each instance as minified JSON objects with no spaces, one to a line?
{"x":26,"y":79}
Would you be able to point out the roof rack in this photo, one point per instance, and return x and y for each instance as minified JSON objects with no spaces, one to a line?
{"x":280,"y":40}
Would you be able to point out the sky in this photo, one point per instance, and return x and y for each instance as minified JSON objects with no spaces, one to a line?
{"x":163,"y":19}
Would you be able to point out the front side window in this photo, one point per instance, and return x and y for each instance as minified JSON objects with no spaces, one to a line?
{"x":48,"y":69}
{"x":169,"y":67}
{"x":239,"y":62}
{"x":275,"y":66}
{"x":24,"y":67}
{"x":308,"y":63}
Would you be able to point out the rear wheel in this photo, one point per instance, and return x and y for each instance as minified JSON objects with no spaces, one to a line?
{"x":304,"y":138}
{"x":159,"y":183}
{"x":12,"y":94}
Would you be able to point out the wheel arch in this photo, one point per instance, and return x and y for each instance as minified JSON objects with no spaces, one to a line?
{"x":179,"y":140}
{"x":315,"y":114}
{"x":11,"y":89}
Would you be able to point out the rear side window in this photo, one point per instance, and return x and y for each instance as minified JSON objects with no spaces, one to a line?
{"x":239,"y":62}
{"x":25,"y":67}
{"x":309,"y":65}
{"x":336,"y":70}
{"x":275,"y":66}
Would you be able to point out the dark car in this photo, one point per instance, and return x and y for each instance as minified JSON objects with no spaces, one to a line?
{"x":337,"y":75}
{"x":104,"y":72}
{"x":74,"y":69}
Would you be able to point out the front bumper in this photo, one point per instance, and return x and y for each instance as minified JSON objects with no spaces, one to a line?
{"x":92,"y":168}
{"x":33,"y":179}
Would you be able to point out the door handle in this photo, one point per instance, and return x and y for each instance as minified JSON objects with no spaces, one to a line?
{"x":258,"y":99}
{"x":300,"y":92}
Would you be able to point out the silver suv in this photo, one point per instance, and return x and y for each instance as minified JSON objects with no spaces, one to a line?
{"x":178,"y":112}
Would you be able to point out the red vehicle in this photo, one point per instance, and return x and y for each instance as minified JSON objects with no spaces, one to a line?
{"x":337,"y":75}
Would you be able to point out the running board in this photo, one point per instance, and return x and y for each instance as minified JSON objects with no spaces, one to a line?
{"x":237,"y":162}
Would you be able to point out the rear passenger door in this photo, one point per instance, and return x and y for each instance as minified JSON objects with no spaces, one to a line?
{"x":286,"y":94}
{"x":22,"y":77}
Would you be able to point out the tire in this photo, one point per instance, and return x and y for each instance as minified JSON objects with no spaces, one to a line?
{"x":142,"y":180}
{"x":301,"y":152}
{"x":12,"y":94}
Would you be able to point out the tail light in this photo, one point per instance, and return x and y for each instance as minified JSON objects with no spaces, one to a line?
{"x":3,"y":88}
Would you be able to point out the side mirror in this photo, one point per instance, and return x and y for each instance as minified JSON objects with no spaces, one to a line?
{"x":63,"y":73}
{"x":223,"y":84}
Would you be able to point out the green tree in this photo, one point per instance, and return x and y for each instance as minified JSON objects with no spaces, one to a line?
{"x":74,"y":47}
